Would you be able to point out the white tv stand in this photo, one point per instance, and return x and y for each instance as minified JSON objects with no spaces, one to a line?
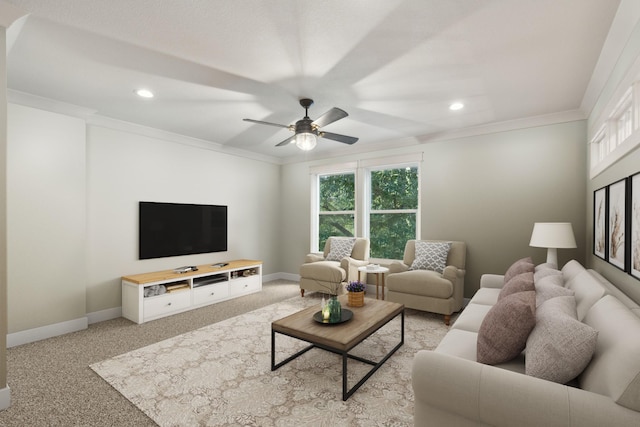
{"x":193,"y":289}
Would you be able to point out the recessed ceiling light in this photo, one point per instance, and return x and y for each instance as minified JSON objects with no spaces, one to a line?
{"x":144,"y":93}
{"x":456,"y":106}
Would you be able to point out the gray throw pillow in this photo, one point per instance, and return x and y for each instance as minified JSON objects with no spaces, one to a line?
{"x":431,"y":256}
{"x":340,"y":247}
{"x":559,"y":347}
{"x":504,"y":330}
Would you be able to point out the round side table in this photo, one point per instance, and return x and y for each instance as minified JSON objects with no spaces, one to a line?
{"x":379,"y":272}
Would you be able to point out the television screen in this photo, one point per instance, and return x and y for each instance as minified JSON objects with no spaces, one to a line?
{"x":172,"y":229}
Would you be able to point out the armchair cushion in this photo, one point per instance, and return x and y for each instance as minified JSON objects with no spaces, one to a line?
{"x":340,"y":247}
{"x":431,"y":256}
{"x":422,"y":282}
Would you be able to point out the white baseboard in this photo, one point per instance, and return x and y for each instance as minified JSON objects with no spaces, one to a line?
{"x":5,"y":398}
{"x":44,"y":332}
{"x":281,"y":276}
{"x":102,"y":315}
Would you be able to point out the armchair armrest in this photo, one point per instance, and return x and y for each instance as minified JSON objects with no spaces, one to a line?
{"x":454,"y":391}
{"x":397,"y":267}
{"x":495,"y":281}
{"x":351,"y":265}
{"x":313,"y":258}
{"x":452,"y":273}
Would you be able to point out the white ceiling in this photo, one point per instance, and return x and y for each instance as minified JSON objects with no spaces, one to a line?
{"x":393,"y":65}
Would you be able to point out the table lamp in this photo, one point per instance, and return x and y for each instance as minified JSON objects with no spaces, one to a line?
{"x":553,"y":236}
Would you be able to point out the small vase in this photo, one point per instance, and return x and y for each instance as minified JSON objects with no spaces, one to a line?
{"x":356,"y":299}
{"x":335,"y":311}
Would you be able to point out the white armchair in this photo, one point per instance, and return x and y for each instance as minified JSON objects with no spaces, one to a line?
{"x":324,"y":273}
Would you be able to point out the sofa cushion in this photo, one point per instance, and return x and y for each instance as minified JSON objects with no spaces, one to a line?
{"x":471,"y":317}
{"x":421,"y":282}
{"x":587,"y":290}
{"x":544,"y":270}
{"x":559,"y":346}
{"x":485,"y":296}
{"x":615,"y":368}
{"x":523,"y":265}
{"x":340,"y":247}
{"x":551,"y":287}
{"x":504,"y":330}
{"x":518,"y":283}
{"x":431,"y":256}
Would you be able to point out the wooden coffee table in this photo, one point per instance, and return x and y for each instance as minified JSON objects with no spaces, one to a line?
{"x":339,"y":338}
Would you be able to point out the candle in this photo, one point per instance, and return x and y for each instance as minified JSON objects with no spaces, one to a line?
{"x":325,"y":313}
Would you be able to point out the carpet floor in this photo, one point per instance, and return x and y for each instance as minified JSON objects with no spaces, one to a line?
{"x":219,"y":375}
{"x":51,"y":382}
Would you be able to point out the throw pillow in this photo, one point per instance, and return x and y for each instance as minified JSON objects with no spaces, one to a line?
{"x":550,"y":287}
{"x":521,"y":282}
{"x":504,"y":330}
{"x":559,"y":347}
{"x":340,"y":247}
{"x":543,"y":270}
{"x":523,"y":265}
{"x":431,"y":256}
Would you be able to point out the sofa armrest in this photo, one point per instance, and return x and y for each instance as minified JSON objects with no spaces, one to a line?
{"x":397,"y":267}
{"x":454,"y":391}
{"x":495,"y":281}
{"x":313,"y":258}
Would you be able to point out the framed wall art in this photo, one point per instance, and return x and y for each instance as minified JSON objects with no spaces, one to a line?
{"x":616,"y":200}
{"x":600,"y":223}
{"x":634,"y":217}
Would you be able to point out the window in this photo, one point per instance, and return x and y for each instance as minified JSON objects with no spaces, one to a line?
{"x":373,"y":198}
{"x":393,"y":210}
{"x":336,"y":206}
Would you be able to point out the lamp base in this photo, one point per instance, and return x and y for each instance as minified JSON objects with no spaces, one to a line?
{"x":552,"y":256}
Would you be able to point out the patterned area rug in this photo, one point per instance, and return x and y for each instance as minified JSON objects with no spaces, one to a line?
{"x":220,"y":375}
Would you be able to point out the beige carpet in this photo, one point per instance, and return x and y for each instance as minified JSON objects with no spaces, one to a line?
{"x":220,"y":375}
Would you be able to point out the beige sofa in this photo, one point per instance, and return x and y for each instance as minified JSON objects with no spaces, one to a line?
{"x":428,"y":290}
{"x":452,"y":389}
{"x":319,"y":275}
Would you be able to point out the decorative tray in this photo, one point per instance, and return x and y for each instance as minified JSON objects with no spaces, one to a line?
{"x":345,"y":316}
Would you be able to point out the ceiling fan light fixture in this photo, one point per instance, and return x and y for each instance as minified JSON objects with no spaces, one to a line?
{"x":306,"y":141}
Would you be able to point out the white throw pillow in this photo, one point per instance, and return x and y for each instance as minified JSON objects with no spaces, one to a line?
{"x":431,"y":256}
{"x":340,"y":247}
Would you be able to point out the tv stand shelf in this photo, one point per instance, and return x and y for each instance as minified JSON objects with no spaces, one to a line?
{"x":150,"y":296}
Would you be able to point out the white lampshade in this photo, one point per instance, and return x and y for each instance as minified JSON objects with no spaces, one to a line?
{"x":306,"y":141}
{"x":552,"y":235}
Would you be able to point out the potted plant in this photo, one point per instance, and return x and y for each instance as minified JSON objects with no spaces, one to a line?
{"x":355,"y":290}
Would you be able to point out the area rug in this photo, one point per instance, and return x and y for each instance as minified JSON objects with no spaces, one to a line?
{"x":220,"y":375}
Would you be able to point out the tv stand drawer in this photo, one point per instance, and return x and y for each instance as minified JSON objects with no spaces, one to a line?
{"x":210,"y":293}
{"x":166,"y":304}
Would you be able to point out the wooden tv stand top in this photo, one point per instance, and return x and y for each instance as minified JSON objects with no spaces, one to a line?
{"x":158,"y":276}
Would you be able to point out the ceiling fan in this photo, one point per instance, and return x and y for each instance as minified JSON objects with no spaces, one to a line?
{"x":307,"y":131}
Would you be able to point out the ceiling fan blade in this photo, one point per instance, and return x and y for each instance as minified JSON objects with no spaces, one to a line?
{"x":340,"y":138}
{"x":266,"y":123}
{"x":287,"y":141}
{"x":330,"y":117}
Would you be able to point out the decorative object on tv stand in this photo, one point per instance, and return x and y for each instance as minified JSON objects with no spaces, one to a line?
{"x":553,"y":236}
{"x":355,"y":293}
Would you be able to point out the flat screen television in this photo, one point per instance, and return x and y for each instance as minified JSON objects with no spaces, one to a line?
{"x":172,"y":229}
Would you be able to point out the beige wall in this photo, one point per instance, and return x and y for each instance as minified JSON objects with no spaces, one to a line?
{"x":46,"y":217}
{"x":3,"y":212}
{"x":485,"y":190}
